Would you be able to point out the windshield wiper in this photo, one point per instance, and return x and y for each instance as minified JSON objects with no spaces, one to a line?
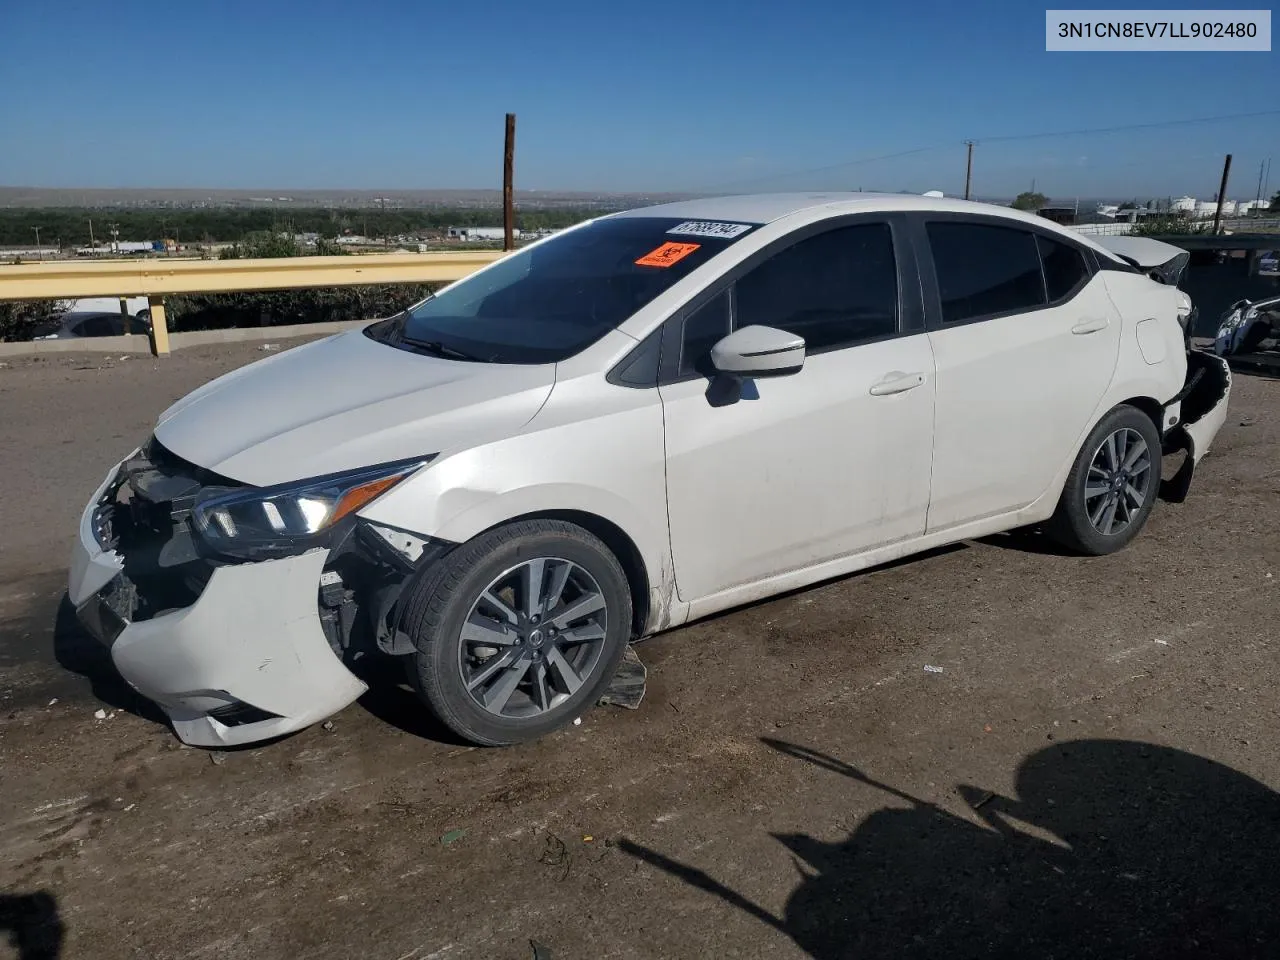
{"x":438,"y":349}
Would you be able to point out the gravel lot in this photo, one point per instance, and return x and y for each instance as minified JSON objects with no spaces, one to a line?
{"x":990,"y":750}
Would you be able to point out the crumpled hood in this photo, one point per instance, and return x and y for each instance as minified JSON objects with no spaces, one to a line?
{"x":345,"y":402}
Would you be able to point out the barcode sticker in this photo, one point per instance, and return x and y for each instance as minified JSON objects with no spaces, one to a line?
{"x":709,"y":228}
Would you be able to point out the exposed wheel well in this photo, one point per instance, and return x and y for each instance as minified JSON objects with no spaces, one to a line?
{"x":1152,"y":408}
{"x":623,"y":547}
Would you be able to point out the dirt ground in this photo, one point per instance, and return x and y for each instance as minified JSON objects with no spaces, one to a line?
{"x":992,"y":750}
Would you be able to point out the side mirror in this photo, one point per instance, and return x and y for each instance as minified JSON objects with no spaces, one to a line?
{"x":758,"y":351}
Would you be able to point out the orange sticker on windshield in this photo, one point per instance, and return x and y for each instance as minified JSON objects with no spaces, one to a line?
{"x":667,"y":254}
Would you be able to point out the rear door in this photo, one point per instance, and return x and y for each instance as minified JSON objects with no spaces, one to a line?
{"x":1025,"y":340}
{"x":826,"y":462}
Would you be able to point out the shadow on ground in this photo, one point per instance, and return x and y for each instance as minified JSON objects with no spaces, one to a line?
{"x":1111,"y":849}
{"x":77,"y":651}
{"x":391,"y":700}
{"x":33,"y":925}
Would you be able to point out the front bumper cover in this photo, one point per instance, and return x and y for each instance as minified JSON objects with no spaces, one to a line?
{"x":249,"y":651}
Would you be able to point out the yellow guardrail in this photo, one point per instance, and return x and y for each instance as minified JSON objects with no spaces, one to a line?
{"x":156,"y":279}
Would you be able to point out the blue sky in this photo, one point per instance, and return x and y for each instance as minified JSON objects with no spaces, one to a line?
{"x":641,"y":96}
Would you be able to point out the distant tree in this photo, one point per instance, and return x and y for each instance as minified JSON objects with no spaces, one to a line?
{"x":19,"y":319}
{"x":1170,"y":225}
{"x":1029,"y":200}
{"x":263,"y":243}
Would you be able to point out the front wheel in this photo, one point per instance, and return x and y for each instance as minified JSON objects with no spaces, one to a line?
{"x":518,"y":631}
{"x":1112,"y":485}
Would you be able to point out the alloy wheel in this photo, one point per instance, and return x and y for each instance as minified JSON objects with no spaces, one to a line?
{"x":1119,"y":481}
{"x":533,"y":637}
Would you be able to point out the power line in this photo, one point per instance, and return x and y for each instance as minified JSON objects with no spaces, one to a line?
{"x":1131,"y":126}
{"x":999,"y":139}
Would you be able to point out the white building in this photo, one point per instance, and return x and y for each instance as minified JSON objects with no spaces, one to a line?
{"x":479,"y":233}
{"x":1184,"y":205}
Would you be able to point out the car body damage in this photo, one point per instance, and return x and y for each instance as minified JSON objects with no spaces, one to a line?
{"x":645,"y":419}
{"x":1246,"y":326}
{"x":146,"y":583}
{"x":1194,"y":416}
{"x":1202,"y":406}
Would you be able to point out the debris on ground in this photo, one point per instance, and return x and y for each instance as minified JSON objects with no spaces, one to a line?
{"x":99,"y":714}
{"x":268,"y":347}
{"x":327,"y":725}
{"x":930,"y":668}
{"x":453,"y":836}
{"x":626,"y":689}
{"x":217,"y":759}
{"x":53,"y":701}
{"x":577,"y":721}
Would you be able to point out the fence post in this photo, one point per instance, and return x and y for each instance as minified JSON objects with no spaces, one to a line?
{"x":159,"y":327}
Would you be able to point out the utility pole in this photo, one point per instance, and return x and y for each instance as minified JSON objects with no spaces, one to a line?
{"x":1266,"y":183}
{"x":1257,"y":203}
{"x":1222,"y":194}
{"x":39,"y":252}
{"x":115,"y":237}
{"x":968,"y":170}
{"x":92,"y":245}
{"x":508,"y":188}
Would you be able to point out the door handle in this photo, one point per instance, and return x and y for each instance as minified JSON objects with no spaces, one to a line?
{"x":1090,"y":325}
{"x":896,"y":383}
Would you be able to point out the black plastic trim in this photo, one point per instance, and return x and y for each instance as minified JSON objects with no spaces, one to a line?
{"x":639,"y":368}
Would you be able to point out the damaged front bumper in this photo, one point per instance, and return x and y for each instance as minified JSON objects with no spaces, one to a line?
{"x":233,"y":652}
{"x":1201,"y":407}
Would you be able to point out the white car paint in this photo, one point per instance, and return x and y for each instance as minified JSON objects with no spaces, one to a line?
{"x":820,"y":495}
{"x":1016,"y":394}
{"x":866,"y":454}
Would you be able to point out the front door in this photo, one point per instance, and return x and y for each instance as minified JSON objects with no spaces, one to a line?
{"x":830,"y":461}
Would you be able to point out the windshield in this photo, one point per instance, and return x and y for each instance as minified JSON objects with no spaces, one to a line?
{"x":550,"y":301}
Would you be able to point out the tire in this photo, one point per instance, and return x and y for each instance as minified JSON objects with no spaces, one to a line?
{"x":481,"y":586}
{"x":1080,"y":522}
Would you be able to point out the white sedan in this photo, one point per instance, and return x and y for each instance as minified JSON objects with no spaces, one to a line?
{"x":628,"y":425}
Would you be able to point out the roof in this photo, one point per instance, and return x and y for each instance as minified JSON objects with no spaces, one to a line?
{"x":767,"y":207}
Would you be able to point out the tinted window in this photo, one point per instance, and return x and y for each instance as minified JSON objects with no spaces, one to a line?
{"x":702,"y":329}
{"x":984,"y":270}
{"x":98,"y":326}
{"x":833,"y":289}
{"x":548,"y":302}
{"x":1064,"y":267}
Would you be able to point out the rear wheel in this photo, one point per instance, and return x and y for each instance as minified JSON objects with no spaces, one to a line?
{"x":1112,"y":485}
{"x":518,"y":631}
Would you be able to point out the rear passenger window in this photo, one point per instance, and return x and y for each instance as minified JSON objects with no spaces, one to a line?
{"x":984,"y":270}
{"x":1064,"y":268}
{"x":834,"y":289}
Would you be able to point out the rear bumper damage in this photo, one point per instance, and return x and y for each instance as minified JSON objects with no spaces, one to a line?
{"x":1202,"y":410}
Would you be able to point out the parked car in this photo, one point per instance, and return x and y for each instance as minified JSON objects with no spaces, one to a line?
{"x":1246,"y":325}
{"x":76,"y":324}
{"x":628,"y":425}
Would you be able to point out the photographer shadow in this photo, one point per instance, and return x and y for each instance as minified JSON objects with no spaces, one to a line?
{"x":1113,"y":849}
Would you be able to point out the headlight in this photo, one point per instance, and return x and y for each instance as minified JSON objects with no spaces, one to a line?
{"x":273,"y":521}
